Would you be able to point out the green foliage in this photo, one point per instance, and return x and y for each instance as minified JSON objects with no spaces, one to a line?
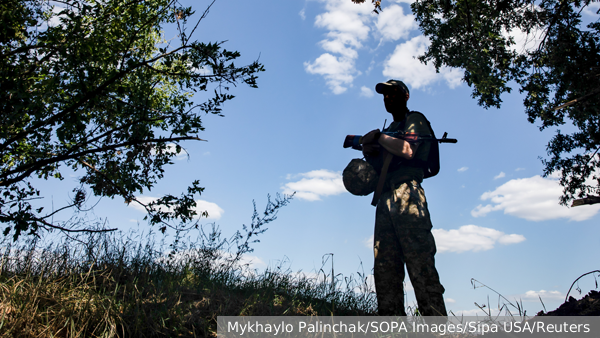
{"x":94,"y":86}
{"x":562,"y":71}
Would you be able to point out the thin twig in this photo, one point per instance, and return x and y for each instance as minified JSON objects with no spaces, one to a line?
{"x":578,"y":278}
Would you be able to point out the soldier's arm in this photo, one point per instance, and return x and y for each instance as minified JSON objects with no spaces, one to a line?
{"x":399,"y":147}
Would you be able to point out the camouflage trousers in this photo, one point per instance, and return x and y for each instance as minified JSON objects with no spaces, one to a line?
{"x":403,"y":236}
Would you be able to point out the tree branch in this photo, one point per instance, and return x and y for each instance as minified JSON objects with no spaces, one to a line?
{"x":583,"y":98}
{"x":58,"y":210}
{"x":183,"y":74}
{"x":30,"y":168}
{"x":587,"y":200}
{"x":48,"y":224}
{"x":26,"y":48}
{"x":198,"y":22}
{"x":88,"y":96}
{"x":123,"y":192}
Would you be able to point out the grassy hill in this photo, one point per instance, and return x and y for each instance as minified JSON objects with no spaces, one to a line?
{"x":106,"y":285}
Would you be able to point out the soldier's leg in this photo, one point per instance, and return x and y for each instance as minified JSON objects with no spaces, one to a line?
{"x":413,"y":228}
{"x":419,"y":250}
{"x":389,"y":265}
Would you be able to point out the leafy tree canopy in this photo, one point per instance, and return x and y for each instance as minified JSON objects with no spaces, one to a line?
{"x":560,"y":74}
{"x":92,"y":85}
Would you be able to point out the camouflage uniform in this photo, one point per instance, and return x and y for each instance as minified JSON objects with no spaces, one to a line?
{"x":403,"y":236}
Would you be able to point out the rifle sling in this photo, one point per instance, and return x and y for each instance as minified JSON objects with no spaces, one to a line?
{"x":384,"y":170}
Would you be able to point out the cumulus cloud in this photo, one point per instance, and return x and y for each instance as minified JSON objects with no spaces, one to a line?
{"x":534,"y":199}
{"x":500,"y":175}
{"x":472,"y":238}
{"x":338,"y":72}
{"x":403,"y":64}
{"x":393,"y":24}
{"x":315,"y":184}
{"x":366,"y":92}
{"x":460,"y":170}
{"x":348,"y":26}
{"x":214,"y":211}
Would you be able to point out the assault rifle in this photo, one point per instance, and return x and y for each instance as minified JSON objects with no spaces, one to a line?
{"x":355,"y":141}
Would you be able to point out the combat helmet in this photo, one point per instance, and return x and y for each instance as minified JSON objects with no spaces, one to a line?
{"x":359,"y":177}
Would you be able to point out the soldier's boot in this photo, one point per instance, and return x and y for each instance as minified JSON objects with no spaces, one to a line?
{"x":431,"y":302}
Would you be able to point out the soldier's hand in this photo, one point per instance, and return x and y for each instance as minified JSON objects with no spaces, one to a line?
{"x":371,"y":137}
{"x":371,"y":149}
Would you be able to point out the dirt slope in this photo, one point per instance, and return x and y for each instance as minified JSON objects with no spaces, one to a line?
{"x":587,"y":306}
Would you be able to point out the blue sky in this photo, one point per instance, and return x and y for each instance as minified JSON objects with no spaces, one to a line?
{"x":495,"y":219}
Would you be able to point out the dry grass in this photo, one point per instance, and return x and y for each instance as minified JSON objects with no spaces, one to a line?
{"x":110,"y":285}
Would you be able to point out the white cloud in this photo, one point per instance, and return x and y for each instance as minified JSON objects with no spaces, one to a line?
{"x":253,"y":262}
{"x":393,"y":24}
{"x":337,"y":71}
{"x":315,"y":184}
{"x":545,"y":295}
{"x":171,"y":148}
{"x":511,"y":239}
{"x":500,"y":175}
{"x":472,"y":238}
{"x":450,"y":300}
{"x":303,"y":14}
{"x":348,"y":26}
{"x":403,"y":64}
{"x":524,"y":42}
{"x":214,"y":211}
{"x":366,"y":92}
{"x":519,"y":169}
{"x":463,"y":169}
{"x":534,"y":199}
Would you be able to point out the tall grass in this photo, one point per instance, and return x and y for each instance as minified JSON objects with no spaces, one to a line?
{"x":127,"y":285}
